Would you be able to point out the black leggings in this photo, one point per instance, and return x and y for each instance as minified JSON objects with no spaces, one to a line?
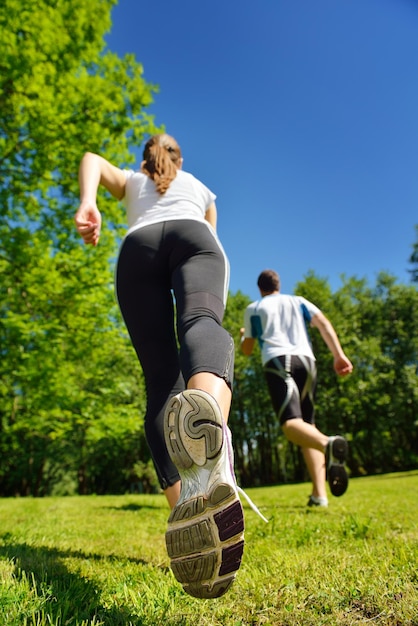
{"x":180,"y":258}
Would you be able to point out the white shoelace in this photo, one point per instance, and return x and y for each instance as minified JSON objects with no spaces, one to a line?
{"x":251,"y":503}
{"x":230,"y":448}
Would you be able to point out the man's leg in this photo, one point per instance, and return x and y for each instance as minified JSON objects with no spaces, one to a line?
{"x":315,"y":462}
{"x":305,"y":435}
{"x":313,"y":444}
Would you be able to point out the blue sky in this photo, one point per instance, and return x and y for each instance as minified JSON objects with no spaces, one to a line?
{"x":302,"y":117}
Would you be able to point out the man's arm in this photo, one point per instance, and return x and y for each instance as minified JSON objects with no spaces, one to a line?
{"x":342,"y":364}
{"x":247,"y":343}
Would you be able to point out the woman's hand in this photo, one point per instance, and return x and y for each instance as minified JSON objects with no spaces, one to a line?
{"x":88,"y":221}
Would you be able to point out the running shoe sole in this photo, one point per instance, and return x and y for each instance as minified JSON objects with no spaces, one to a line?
{"x":205,"y":534}
{"x":337,"y":453}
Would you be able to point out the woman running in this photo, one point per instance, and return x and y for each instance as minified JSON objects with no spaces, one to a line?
{"x":172,"y":282}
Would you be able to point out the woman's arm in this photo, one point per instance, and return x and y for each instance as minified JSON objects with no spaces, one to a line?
{"x":95,"y":171}
{"x":211,"y":215}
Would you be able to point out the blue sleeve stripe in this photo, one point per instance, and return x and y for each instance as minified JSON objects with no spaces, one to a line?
{"x":306,"y":315}
{"x":256,"y":329}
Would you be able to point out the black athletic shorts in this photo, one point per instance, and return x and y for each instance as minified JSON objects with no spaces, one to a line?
{"x":291,"y":382}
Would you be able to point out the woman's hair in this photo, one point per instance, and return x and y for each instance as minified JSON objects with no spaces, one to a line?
{"x":162,"y":158}
{"x":269,"y":281}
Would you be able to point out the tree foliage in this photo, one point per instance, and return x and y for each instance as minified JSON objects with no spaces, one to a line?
{"x":71,"y":392}
{"x":413,"y":259}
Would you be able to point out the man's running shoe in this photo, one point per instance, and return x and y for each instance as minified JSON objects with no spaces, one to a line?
{"x":315,"y":501}
{"x":205,"y":534}
{"x":336,"y":455}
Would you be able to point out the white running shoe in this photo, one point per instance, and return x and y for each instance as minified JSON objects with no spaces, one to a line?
{"x":205,"y":534}
{"x":317,"y":501}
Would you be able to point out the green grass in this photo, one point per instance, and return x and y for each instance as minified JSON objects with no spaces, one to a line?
{"x":86,"y":561}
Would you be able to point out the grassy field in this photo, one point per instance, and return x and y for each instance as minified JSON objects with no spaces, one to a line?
{"x":86,"y":561}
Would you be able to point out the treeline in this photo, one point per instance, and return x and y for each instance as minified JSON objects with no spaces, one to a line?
{"x":72,"y":395}
{"x":73,"y":399}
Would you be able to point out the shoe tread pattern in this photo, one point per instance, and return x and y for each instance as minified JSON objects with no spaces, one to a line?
{"x":206,"y":555}
{"x":340,"y":449}
{"x":336,"y":472}
{"x":230,"y":521}
{"x":204,"y":537}
{"x":196,"y":426}
{"x":208,"y":591}
{"x":337,"y":480}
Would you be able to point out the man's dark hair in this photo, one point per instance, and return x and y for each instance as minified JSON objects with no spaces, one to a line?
{"x":269,"y":281}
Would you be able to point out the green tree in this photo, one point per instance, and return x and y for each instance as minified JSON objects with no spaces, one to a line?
{"x":413,"y":259}
{"x":389,"y":323}
{"x":375,"y":407}
{"x":70,"y":385}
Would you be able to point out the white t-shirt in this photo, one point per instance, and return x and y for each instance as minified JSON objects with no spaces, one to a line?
{"x":279,"y":322}
{"x":185,"y":198}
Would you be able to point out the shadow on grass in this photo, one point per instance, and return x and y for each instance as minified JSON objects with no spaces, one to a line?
{"x":134,"y":507}
{"x":68,"y":597}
